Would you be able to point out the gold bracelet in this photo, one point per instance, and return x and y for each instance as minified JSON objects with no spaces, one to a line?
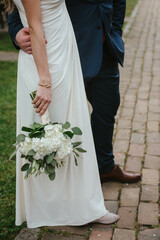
{"x":45,"y":85}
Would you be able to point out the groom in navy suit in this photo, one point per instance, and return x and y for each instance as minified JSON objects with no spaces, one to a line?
{"x":98,"y":29}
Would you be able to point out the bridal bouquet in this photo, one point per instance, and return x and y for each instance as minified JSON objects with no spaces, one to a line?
{"x":47,"y":146}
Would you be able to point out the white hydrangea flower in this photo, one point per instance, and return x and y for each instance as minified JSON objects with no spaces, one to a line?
{"x":54,"y":141}
{"x":37,"y":156}
{"x":48,"y":127}
{"x":25,"y":146}
{"x":65,"y":150}
{"x":35,"y":144}
{"x":28,"y":139}
{"x":53,"y":131}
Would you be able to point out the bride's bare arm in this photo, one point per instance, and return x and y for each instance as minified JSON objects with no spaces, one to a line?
{"x":44,"y":94}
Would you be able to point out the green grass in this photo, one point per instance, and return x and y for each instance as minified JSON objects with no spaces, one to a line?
{"x":7,"y":138}
{"x":130,"y":6}
{"x":5,"y":42}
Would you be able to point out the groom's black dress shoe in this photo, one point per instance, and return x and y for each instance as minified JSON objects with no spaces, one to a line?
{"x":116,"y":174}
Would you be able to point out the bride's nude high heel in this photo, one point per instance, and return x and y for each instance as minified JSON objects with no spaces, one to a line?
{"x":107,"y":219}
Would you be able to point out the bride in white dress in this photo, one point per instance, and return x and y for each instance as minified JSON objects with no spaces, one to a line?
{"x":75,"y":196}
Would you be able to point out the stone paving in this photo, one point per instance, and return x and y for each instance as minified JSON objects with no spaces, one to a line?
{"x":8,"y":56}
{"x":136,"y":142}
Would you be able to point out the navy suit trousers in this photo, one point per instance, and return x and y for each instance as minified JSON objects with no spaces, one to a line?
{"x":103,"y":94}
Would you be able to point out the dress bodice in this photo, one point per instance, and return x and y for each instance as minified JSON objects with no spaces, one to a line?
{"x":48,"y":8}
{"x":44,"y":3}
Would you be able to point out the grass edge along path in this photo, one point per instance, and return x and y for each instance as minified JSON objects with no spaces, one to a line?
{"x":7,"y":138}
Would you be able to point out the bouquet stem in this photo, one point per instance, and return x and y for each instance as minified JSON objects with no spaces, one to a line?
{"x":45,"y":118}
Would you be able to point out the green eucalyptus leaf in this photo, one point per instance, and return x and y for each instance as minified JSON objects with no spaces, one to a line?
{"x":76,"y":144}
{"x":25,"y":167}
{"x":54,"y":162}
{"x":52,"y":176}
{"x":29,"y":170}
{"x":40,"y":129}
{"x":12,"y":155}
{"x":76,"y":153}
{"x":27,"y":129}
{"x":76,"y":161}
{"x":36,"y":125}
{"x":50,"y":168}
{"x":31,"y":152}
{"x":29,"y":158}
{"x":33,"y":95}
{"x":50,"y":158}
{"x":37,"y":134}
{"x":20,"y":138}
{"x":77,"y":131}
{"x":66,"y":125}
{"x":46,"y":172}
{"x":69,"y":134}
{"x":81,"y":150}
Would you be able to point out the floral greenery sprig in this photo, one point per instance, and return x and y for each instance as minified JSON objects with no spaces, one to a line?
{"x":47,"y":147}
{"x":33,"y":95}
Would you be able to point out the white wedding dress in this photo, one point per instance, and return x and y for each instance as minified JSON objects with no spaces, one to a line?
{"x":75,"y":196}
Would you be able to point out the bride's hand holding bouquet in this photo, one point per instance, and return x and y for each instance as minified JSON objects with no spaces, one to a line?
{"x":48,"y":145}
{"x":43,"y":97}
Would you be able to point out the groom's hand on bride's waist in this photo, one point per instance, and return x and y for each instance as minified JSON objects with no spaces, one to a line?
{"x":23,"y":40}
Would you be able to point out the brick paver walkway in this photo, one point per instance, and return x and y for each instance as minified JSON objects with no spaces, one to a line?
{"x":8,"y":56}
{"x":136,"y":141}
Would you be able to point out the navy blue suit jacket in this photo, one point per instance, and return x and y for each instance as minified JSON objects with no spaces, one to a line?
{"x":88,"y":18}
